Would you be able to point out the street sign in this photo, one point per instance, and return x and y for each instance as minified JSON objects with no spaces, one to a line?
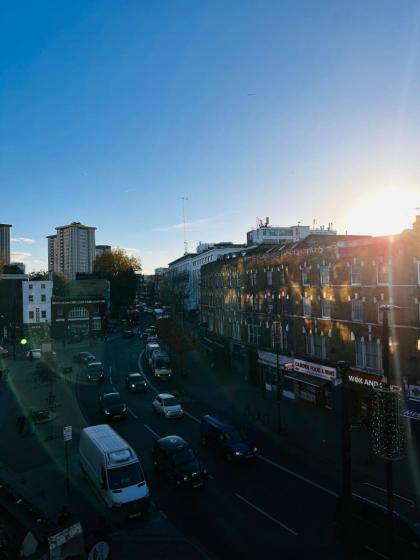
{"x":67,"y":433}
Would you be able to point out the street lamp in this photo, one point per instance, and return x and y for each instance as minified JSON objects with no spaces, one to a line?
{"x":278,"y":375}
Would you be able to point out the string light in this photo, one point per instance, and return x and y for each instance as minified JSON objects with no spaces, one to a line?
{"x":387,"y":429}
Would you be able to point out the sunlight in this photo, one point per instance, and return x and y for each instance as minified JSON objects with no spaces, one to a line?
{"x":383,"y":211}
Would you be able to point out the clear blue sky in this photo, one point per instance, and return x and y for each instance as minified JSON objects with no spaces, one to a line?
{"x":112,"y":111}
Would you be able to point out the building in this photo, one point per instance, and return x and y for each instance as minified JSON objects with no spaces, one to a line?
{"x":184,"y":274}
{"x":5,"y":243}
{"x":11,"y":304}
{"x":82,"y":311}
{"x":297,"y":309}
{"x":20,"y":265}
{"x":268,"y":234}
{"x":72,"y":250}
{"x":99,"y":249}
{"x":36,"y":308}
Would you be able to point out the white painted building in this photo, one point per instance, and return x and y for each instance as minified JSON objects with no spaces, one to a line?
{"x":72,"y":250}
{"x":269,"y":234}
{"x":185,"y":273}
{"x":36,"y":302}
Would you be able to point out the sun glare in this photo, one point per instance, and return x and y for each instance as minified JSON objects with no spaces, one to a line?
{"x":383,"y":211}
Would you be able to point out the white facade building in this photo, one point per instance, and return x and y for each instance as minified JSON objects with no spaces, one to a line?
{"x":36,"y":302}
{"x":265,"y":233}
{"x":185,"y":273}
{"x":72,"y":250}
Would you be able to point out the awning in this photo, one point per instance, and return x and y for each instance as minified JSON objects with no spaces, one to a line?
{"x":213,"y":343}
{"x":306,"y":379}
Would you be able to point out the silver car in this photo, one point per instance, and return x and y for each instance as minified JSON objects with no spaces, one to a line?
{"x":167,"y":406}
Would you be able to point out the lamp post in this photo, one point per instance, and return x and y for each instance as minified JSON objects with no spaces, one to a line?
{"x":342,"y":367}
{"x":278,"y":377}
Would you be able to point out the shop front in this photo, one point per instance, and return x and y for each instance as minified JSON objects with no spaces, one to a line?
{"x":312,"y":382}
{"x":271,"y":365}
{"x":412,"y":402}
{"x":361,"y":385}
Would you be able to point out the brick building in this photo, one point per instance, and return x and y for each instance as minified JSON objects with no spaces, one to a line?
{"x":301,"y":307}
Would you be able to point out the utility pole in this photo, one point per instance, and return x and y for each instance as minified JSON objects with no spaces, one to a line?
{"x":346,"y":488}
{"x":278,"y":378}
{"x":184,"y":198}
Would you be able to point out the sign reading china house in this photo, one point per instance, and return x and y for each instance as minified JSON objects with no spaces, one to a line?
{"x":317,"y":370}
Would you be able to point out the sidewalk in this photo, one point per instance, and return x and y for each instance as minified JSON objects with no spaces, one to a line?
{"x":311,"y":435}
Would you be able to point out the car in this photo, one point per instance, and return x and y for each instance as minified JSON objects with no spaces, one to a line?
{"x":178,"y":461}
{"x":167,"y":406}
{"x":128,"y":333}
{"x":135,"y":382}
{"x":76,"y":337}
{"x":112,"y":405}
{"x":84,"y":358}
{"x":95,"y":372}
{"x":34,"y":354}
{"x":226,"y":438}
{"x":3,"y":352}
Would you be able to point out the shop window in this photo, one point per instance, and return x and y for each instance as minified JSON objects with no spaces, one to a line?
{"x":326,"y":308}
{"x":324,"y":275}
{"x":307,"y":306}
{"x":254,"y":334}
{"x":357,"y":310}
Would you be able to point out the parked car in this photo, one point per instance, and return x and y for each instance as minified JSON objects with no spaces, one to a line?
{"x":368,"y":527}
{"x":168,"y":406}
{"x":84,"y":358}
{"x":226,"y":438}
{"x":95,"y":372}
{"x":128,"y":333}
{"x":34,"y":354}
{"x":3,"y":352}
{"x":76,"y":337}
{"x":135,"y":382}
{"x":178,"y":461}
{"x":112,"y":405}
{"x":113,"y":467}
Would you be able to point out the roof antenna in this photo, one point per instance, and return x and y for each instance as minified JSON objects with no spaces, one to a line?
{"x":184,"y":198}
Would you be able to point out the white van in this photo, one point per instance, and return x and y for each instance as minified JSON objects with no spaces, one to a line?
{"x":150,"y":348}
{"x":114,"y":469}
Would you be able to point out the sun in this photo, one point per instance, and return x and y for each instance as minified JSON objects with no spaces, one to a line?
{"x":383,"y":212}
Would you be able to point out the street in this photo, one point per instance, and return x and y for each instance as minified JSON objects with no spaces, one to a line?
{"x":263,"y":508}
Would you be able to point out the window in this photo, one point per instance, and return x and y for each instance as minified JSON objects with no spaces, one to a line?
{"x":305,"y":275}
{"x":307,"y":306}
{"x":357,"y":310}
{"x":320,"y":346}
{"x":356,"y":274}
{"x":37,"y":314}
{"x":324,"y":275}
{"x":42,"y":286}
{"x":282,"y":277}
{"x":326,"y":308}
{"x":96,"y":325}
{"x":278,"y":336}
{"x":31,"y":298}
{"x":236,"y":330}
{"x":253,"y":278}
{"x":30,"y":286}
{"x":284,"y":305}
{"x":78,"y":313}
{"x":418,"y":272}
{"x":43,"y":314}
{"x":310,"y":344}
{"x":254,"y":334}
{"x":269,"y":277}
{"x":31,"y":315}
{"x":369,"y":354}
{"x":43,"y":297}
{"x":383,"y":273}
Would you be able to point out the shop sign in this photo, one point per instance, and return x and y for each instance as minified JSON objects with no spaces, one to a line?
{"x":363,"y":379}
{"x":414,"y":392}
{"x":317,"y":370}
{"x":270,"y":359}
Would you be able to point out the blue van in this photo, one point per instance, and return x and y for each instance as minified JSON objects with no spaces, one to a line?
{"x":226,"y":438}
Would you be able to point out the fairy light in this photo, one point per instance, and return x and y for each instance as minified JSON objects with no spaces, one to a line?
{"x":387,"y":429}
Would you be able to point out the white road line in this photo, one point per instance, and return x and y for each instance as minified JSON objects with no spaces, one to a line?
{"x":267,"y":515}
{"x":151,"y":431}
{"x":192,"y":417}
{"x":299,"y":476}
{"x":163,"y":514}
{"x":211,"y":477}
{"x":131,"y":412}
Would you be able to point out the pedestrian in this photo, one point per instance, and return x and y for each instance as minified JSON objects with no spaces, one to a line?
{"x":20,"y":423}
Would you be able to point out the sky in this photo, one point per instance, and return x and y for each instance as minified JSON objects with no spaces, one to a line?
{"x":112,"y":111}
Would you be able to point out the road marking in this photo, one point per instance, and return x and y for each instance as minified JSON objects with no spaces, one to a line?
{"x":267,"y":515}
{"x":131,"y":412}
{"x":192,"y":417}
{"x":211,"y":477}
{"x":299,"y":476}
{"x":411,"y":502}
{"x":151,"y":431}
{"x":163,"y":514}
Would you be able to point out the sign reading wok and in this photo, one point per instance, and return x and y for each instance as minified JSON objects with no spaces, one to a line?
{"x":317,"y":370}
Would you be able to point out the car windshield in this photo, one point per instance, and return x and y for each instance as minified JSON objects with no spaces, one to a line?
{"x":95,"y":367}
{"x":171,"y":401}
{"x":184,"y":456}
{"x":122,"y":477}
{"x":136,"y":378}
{"x":234,"y":436}
{"x":162,"y":362}
{"x":112,"y":398}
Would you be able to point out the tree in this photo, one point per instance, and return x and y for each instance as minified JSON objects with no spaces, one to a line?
{"x":60,"y":285}
{"x":176,"y":338}
{"x":39,"y":275}
{"x":120,"y":269}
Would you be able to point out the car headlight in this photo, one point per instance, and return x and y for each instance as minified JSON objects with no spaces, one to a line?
{"x":106,"y":412}
{"x":124,"y":408}
{"x":255,"y":449}
{"x":238,"y":453}
{"x":186,"y":477}
{"x":167,"y":412}
{"x":133,"y":386}
{"x":204,"y":471}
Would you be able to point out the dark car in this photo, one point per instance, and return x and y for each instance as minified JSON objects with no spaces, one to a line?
{"x":226,"y":438}
{"x":146,"y":333}
{"x":128,"y":333}
{"x":174,"y":457}
{"x":95,"y":372}
{"x":368,"y":529}
{"x":112,"y":406}
{"x":84,"y":358}
{"x":135,"y":382}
